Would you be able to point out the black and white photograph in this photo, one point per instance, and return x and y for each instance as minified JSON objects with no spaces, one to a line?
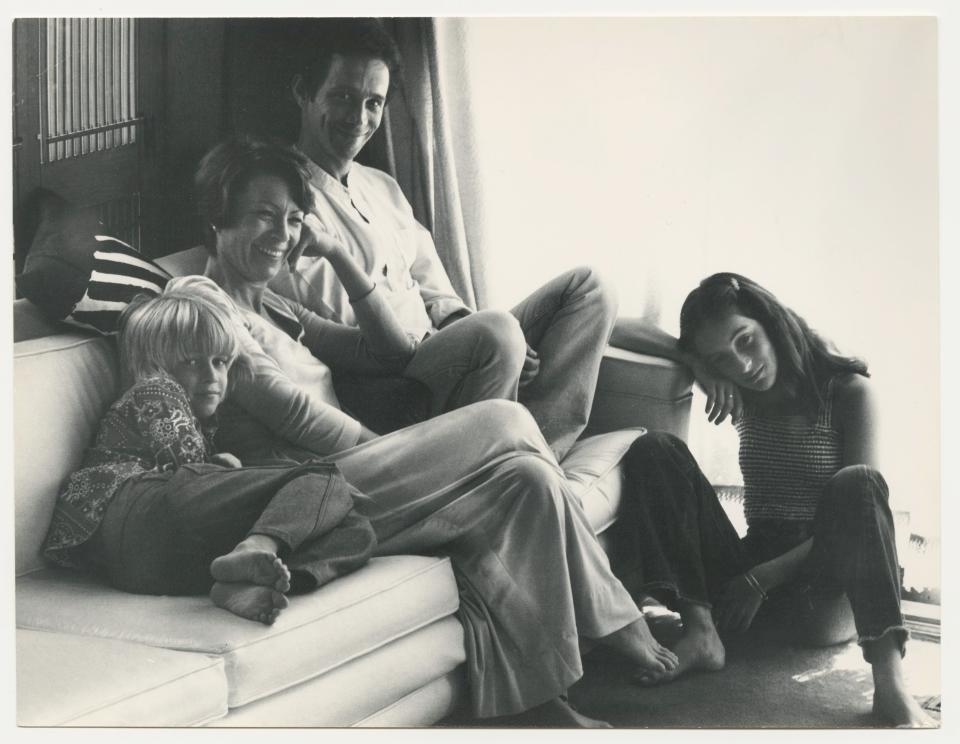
{"x":516,"y":369}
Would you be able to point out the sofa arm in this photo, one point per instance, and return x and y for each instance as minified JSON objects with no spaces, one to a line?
{"x":640,"y":390}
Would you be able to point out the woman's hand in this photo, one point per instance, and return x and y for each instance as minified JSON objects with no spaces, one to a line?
{"x":723,"y":397}
{"x":315,"y":241}
{"x":737,"y":605}
{"x":226,"y":460}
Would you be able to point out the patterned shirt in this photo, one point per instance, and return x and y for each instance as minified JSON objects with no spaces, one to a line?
{"x":786,"y":462}
{"x":151,"y":428}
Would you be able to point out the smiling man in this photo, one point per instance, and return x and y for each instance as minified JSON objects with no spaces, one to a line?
{"x":546,"y":352}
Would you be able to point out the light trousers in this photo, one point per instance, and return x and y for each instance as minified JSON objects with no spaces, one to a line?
{"x":481,"y":486}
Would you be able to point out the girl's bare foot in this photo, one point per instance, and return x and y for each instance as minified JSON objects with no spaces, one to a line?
{"x":892,"y":702}
{"x":254,"y":561}
{"x":665,"y":624}
{"x":899,"y":708}
{"x":636,"y":643}
{"x":699,"y":647}
{"x":250,"y":601}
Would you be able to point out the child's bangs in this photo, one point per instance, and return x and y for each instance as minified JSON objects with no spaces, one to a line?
{"x":198,"y":330}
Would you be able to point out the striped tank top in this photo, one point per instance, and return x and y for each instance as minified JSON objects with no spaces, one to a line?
{"x":786,"y":461}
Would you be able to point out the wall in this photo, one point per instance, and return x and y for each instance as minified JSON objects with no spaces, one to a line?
{"x":193,"y":121}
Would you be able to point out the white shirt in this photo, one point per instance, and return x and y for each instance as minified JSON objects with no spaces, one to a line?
{"x":374,"y":221}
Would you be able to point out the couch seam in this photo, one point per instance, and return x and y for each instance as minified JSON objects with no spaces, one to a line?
{"x":26,"y":354}
{"x":399,"y":582}
{"x":158,"y":686}
{"x":433,"y":566}
{"x":409,"y":696}
{"x":341,"y":662}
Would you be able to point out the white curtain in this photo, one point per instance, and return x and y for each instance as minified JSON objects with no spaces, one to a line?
{"x":429,"y":148}
{"x":801,"y":152}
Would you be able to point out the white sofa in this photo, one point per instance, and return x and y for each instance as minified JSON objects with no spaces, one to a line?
{"x":380,"y":647}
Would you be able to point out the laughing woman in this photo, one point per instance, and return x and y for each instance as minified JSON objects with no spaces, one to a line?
{"x":478,"y":484}
{"x":820,"y":539}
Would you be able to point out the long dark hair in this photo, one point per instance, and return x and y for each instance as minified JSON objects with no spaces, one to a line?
{"x":806,"y":360}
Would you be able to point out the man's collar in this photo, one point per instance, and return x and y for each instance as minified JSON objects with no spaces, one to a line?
{"x":320,"y":176}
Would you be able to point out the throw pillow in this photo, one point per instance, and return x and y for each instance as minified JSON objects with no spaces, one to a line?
{"x":75,"y":273}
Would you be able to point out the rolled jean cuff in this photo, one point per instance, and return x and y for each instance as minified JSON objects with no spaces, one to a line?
{"x":902,"y":632}
{"x":672,"y":588}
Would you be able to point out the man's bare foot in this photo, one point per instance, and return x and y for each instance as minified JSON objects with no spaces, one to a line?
{"x":250,"y":601}
{"x":556,"y":713}
{"x":699,"y":648}
{"x":255,"y":562}
{"x":636,"y":643}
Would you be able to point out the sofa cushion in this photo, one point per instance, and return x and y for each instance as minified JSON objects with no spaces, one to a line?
{"x":387,"y":599}
{"x":431,"y":703}
{"x":593,"y":468}
{"x":62,"y":385}
{"x":640,"y":390}
{"x":388,"y":681}
{"x":68,"y":680}
{"x":29,"y":322}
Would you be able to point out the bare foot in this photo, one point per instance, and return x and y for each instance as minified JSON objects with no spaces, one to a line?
{"x":636,"y":643}
{"x":249,"y":563}
{"x":556,"y":713}
{"x":665,"y":624}
{"x":893,"y":704}
{"x":698,"y":649}
{"x":250,"y":601}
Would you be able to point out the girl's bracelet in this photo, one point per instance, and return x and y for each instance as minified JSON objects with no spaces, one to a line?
{"x":364,"y":296}
{"x":755,"y":585}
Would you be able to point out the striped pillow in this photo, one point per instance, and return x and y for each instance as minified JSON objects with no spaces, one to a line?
{"x":118,"y":275}
{"x":75,"y":275}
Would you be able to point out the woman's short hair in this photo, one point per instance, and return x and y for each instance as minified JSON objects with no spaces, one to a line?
{"x":155,"y":333}
{"x":806,"y":359}
{"x":228,"y":168}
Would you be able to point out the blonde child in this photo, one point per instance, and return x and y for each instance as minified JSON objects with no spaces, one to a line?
{"x":155,"y":510}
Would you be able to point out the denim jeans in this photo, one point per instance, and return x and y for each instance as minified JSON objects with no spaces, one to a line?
{"x":673,"y":537}
{"x":161,"y":531}
{"x":567,"y":322}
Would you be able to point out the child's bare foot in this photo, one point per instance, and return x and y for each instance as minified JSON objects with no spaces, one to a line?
{"x":699,"y":647}
{"x":252,"y":561}
{"x":250,"y":601}
{"x":636,"y":643}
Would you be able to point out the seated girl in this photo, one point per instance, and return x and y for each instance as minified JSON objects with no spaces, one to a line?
{"x":157,"y":511}
{"x":819,"y":553}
